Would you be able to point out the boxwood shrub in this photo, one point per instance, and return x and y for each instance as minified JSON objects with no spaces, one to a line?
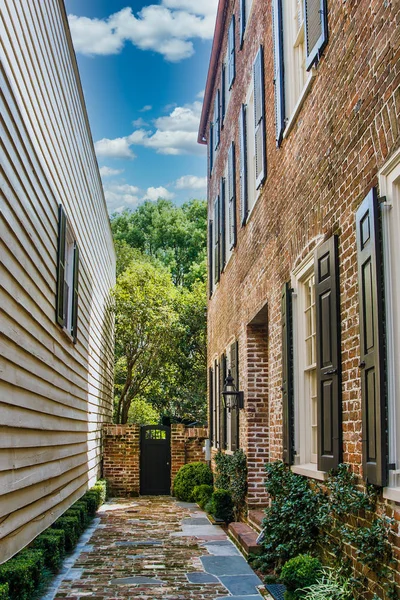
{"x":220,"y":505}
{"x":52,"y":543}
{"x":188,"y":477}
{"x":202,"y":494}
{"x":4,"y":591}
{"x":298,"y":573}
{"x":22,"y":573}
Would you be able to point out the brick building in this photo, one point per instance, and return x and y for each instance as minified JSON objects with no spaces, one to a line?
{"x":301,"y":118}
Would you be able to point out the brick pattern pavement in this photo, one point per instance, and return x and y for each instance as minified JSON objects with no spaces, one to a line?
{"x":155,"y":538}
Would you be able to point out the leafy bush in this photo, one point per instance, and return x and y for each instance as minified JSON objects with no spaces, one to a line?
{"x":299,"y":572}
{"x":231,"y":475}
{"x":71,"y":527}
{"x":52,"y":543}
{"x":188,"y":477}
{"x":22,"y":573}
{"x":221,"y":505}
{"x":329,"y":586}
{"x":4,"y":592}
{"x":202,"y":494}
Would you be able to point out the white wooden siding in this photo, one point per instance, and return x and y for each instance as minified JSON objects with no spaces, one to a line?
{"x":54,"y":396}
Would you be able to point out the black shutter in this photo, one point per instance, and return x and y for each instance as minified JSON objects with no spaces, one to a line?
{"x":315,"y":29}
{"x":210,"y":258}
{"x":242,"y":12}
{"x":243,"y":165}
{"x":216,"y":403}
{"x":60,"y":300}
{"x":234,"y":366}
{"x":217,"y":123}
{"x":222,"y":409}
{"x":211,"y":404}
{"x":216,"y":240}
{"x":231,"y":196}
{"x":278,"y":71}
{"x":231,"y":52}
{"x":374,"y":438}
{"x":75,"y":294}
{"x":210,"y":150}
{"x":329,"y":397}
{"x":259,"y":121}
{"x":222,"y":225}
{"x":287,"y":376}
{"x":223,"y":94}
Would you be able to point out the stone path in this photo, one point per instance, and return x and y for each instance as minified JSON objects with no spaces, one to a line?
{"x":154,"y":548}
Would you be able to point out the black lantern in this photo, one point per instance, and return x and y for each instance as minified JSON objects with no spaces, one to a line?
{"x":232,"y":398}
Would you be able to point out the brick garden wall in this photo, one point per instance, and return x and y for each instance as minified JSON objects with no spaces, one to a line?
{"x":121,"y":463}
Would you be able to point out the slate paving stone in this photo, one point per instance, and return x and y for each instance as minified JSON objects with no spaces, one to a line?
{"x":201,"y":578}
{"x":226,"y":565}
{"x":222,"y":549}
{"x":195,"y":521}
{"x":253,"y":597}
{"x":241,"y":584}
{"x":137,"y":580}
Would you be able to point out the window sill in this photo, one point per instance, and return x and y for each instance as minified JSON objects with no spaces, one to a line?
{"x":391,"y":493}
{"x":309,"y":470}
{"x":299,"y":103}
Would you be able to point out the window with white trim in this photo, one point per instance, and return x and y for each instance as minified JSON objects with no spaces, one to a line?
{"x":252,"y":192}
{"x":228,"y":246}
{"x":389,"y":179}
{"x":294,"y":52}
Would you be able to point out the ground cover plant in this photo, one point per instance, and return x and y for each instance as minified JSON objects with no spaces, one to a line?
{"x":231,"y":475}
{"x":188,"y":477}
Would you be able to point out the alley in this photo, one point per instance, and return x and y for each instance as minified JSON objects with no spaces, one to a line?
{"x":153,"y":548}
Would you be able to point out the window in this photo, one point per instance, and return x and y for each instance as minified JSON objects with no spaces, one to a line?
{"x":244,"y":12}
{"x":67,"y":277}
{"x":226,"y":90}
{"x":232,"y":417}
{"x":210,"y":150}
{"x":389,"y":179}
{"x":217,"y":120}
{"x":231,"y":53}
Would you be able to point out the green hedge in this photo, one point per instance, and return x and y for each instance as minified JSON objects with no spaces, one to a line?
{"x":220,"y":505}
{"x":188,"y":477}
{"x":202,"y":494}
{"x":21,"y":575}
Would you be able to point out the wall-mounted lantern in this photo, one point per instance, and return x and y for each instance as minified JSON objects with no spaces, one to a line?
{"x":231,"y":397}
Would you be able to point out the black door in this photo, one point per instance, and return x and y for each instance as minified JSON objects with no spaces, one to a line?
{"x":155,"y":460}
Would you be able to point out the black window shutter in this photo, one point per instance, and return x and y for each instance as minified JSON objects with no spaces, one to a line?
{"x":329,"y":398}
{"x":210,"y":258}
{"x":243,"y":165}
{"x":231,"y":52}
{"x":216,"y":403}
{"x":222,"y":409}
{"x":316,"y":29}
{"x":223,"y":94}
{"x":75,"y":294}
{"x":287,"y":376}
{"x":259,"y":120}
{"x":278,"y":71}
{"x":373,"y":399}
{"x":222,"y":225}
{"x":216,"y":240}
{"x":242,"y":11}
{"x":211,"y":404}
{"x":211,"y":150}
{"x":231,"y":196}
{"x":235,"y":413}
{"x":60,"y":300}
{"x":217,"y":122}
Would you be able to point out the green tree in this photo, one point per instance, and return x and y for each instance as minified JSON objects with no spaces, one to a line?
{"x":142,"y":412}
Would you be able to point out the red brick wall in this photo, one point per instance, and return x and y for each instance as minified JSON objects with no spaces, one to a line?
{"x":186,"y":446}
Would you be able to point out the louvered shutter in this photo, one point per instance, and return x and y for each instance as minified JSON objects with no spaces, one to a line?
{"x":216,"y":403}
{"x":316,"y":29}
{"x":234,"y":412}
{"x":211,"y":404}
{"x":61,"y":298}
{"x":217,"y":123}
{"x":373,"y":399}
{"x":231,"y":52}
{"x":242,"y":12}
{"x":259,"y":121}
{"x":231,"y":196}
{"x":223,"y":94}
{"x":211,"y":150}
{"x":278,"y":71}
{"x":243,"y":165}
{"x":222,"y":409}
{"x":216,"y":240}
{"x":210,"y":258}
{"x":222,"y":225}
{"x":287,"y":376}
{"x":329,"y":398}
{"x":75,"y":294}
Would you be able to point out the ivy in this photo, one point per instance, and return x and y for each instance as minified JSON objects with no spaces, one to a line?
{"x":231,"y":475}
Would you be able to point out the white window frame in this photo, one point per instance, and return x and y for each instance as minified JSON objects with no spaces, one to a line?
{"x":302,"y":409}
{"x":228,"y":249}
{"x":389,"y":184}
{"x":252,"y":192}
{"x":228,"y":413}
{"x":227,"y":89}
{"x":69,"y":276}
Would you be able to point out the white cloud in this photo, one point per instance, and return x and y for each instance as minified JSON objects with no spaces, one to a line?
{"x":154,"y":194}
{"x":120,"y":195}
{"x":140,"y":123}
{"x":146,"y":108}
{"x":109,"y":172}
{"x":201,"y":94}
{"x":191,"y":182}
{"x":117,"y":148}
{"x":167,"y":29}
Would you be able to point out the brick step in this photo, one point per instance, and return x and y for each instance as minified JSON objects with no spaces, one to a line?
{"x":244,"y":537}
{"x":255,"y":519}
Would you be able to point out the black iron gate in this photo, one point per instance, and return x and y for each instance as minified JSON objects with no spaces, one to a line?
{"x":155,"y":460}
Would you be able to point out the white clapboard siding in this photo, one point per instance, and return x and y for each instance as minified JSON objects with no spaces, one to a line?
{"x":54,"y":395}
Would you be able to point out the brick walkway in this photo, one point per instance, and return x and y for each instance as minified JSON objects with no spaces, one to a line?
{"x":154,"y":548}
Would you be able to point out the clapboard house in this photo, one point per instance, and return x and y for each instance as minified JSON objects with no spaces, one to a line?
{"x":57,"y":266}
{"x":301,"y":119}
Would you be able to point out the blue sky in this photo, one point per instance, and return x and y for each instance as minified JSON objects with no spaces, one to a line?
{"x":143,"y":68}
